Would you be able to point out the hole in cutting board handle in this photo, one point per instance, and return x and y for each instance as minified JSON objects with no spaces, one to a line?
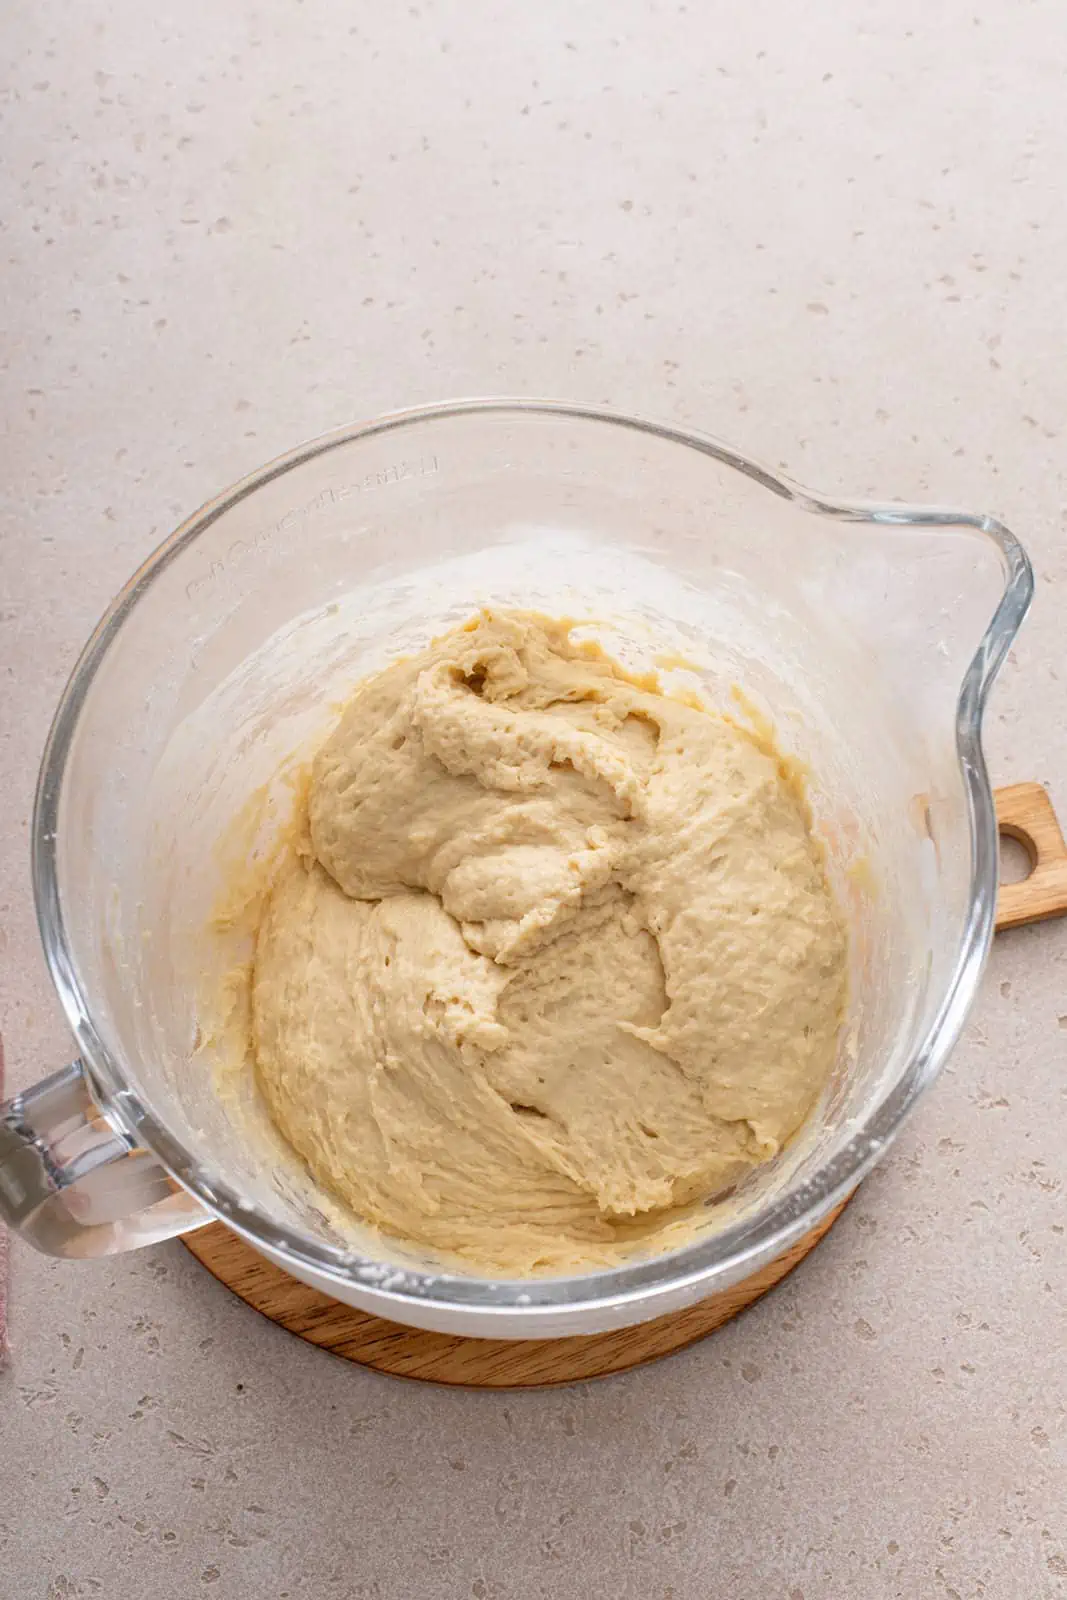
{"x":1026,"y":816}
{"x":1016,"y":859}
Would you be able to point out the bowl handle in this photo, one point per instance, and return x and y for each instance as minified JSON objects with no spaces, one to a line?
{"x":75,"y":1184}
{"x":1024,"y":812}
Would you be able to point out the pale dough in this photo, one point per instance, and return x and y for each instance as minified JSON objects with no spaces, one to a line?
{"x":558,"y":954}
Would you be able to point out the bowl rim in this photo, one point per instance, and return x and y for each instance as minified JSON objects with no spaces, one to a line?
{"x":695,"y":1269}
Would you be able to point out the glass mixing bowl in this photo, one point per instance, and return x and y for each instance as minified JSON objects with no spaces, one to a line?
{"x":868,"y":636}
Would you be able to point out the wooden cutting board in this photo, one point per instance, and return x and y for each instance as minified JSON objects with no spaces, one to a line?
{"x":471,"y":1363}
{"x":1025,"y":813}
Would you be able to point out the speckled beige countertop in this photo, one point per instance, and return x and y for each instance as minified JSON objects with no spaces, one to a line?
{"x":836,"y":236}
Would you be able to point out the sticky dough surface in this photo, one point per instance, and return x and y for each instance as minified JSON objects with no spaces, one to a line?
{"x":557,"y":956}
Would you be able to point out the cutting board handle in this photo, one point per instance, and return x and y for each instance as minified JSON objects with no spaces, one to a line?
{"x":1025,"y":813}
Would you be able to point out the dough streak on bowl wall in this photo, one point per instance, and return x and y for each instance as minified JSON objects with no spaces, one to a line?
{"x":550,"y":959}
